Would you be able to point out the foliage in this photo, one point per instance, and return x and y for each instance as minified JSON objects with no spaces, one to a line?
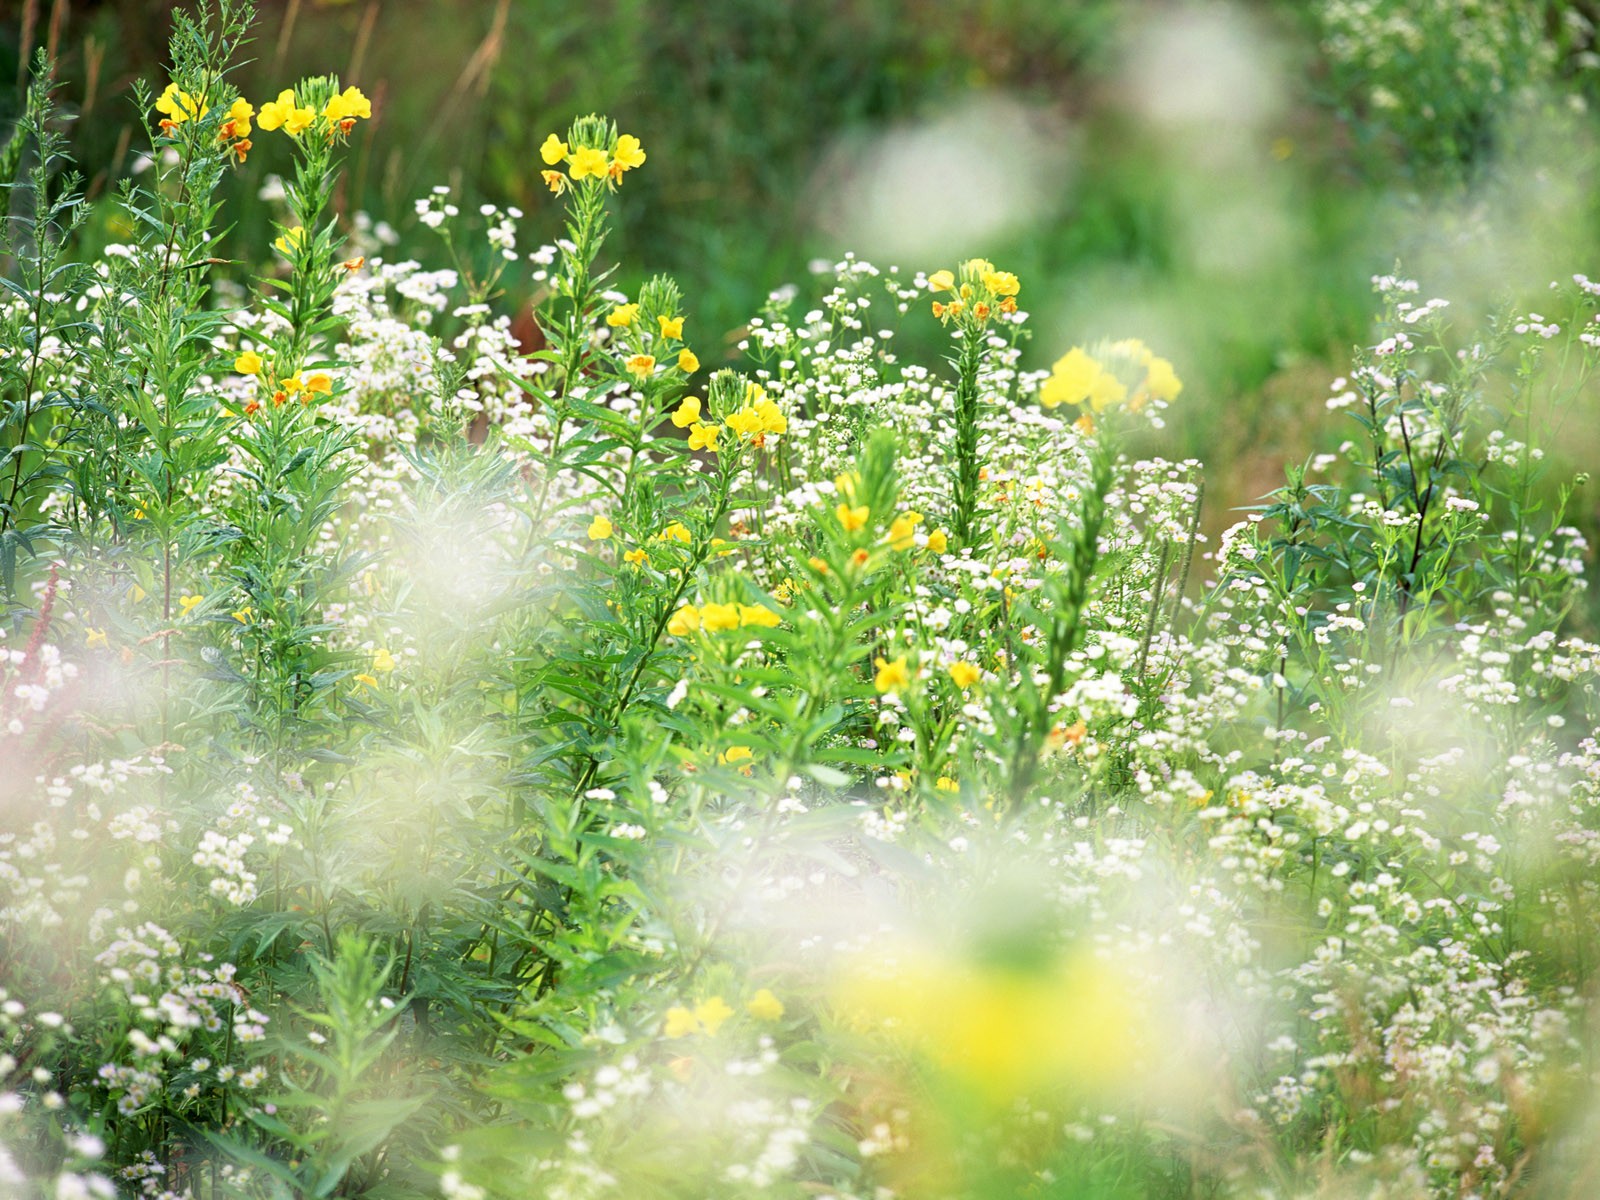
{"x":435,"y":767}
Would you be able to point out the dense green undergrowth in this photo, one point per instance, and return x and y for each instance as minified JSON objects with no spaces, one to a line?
{"x":433,"y":767}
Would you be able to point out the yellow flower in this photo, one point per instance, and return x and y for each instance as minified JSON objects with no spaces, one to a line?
{"x":772,"y":418}
{"x":292,"y":239}
{"x":382,"y":661}
{"x":688,"y":412}
{"x":300,"y":120}
{"x":628,"y":153}
{"x":369,"y":680}
{"x":671,"y":327}
{"x":95,"y":638}
{"x":599,"y":528}
{"x":587,"y":162}
{"x":891,"y":676}
{"x":348,"y":105}
{"x":635,"y":557}
{"x":248,"y":363}
{"x":938,"y":541}
{"x":901,"y":535}
{"x":293,"y":384}
{"x":283,"y":113}
{"x":622,"y":316}
{"x":759,"y":614}
{"x":717,"y":618}
{"x":680,"y":1022}
{"x":684,"y":622}
{"x":852,"y":518}
{"x":764,"y":1006}
{"x":712,"y":1013}
{"x":555,"y":181}
{"x":1161,"y":381}
{"x":319,"y":381}
{"x":178,"y":105}
{"x":275,"y":112}
{"x":687,"y":362}
{"x":243,"y":615}
{"x":942,"y":281}
{"x":746,"y":422}
{"x":641,"y":365}
{"x":1107,"y":390}
{"x":1001,"y":283}
{"x":704,"y":437}
{"x":735,"y":754}
{"x":677,"y":532}
{"x":553,"y":150}
{"x":1070,"y":379}
{"x":238,"y":123}
{"x":964,"y":674}
{"x":189,"y":603}
{"x":136,"y":593}
{"x":945,"y":784}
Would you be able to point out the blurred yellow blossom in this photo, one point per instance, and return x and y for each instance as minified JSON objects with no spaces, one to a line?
{"x":764,"y":1006}
{"x":671,"y":327}
{"x":852,"y":517}
{"x":599,"y":528}
{"x":687,"y":362}
{"x":891,"y":676}
{"x":684,"y":622}
{"x":713,"y":1012}
{"x":680,"y":1022}
{"x":719,"y":617}
{"x":622,"y":316}
{"x":964,"y":674}
{"x":248,"y":363}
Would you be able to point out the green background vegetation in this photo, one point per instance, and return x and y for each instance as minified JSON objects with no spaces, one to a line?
{"x":1222,"y":180}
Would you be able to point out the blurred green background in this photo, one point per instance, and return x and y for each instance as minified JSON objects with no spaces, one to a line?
{"x":1221,"y":179}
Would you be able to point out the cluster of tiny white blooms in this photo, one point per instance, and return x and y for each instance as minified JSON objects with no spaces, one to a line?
{"x":434,"y":209}
{"x":1535,"y":324}
{"x":28,"y":683}
{"x":23,"y":1089}
{"x":222,"y":850}
{"x":173,"y":1010}
{"x":502,"y":229}
{"x":48,"y":868}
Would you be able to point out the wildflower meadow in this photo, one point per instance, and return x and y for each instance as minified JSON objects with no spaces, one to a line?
{"x":454,"y":752}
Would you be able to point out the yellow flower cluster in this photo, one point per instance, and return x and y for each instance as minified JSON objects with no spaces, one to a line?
{"x":718,"y":618}
{"x":978,"y":292}
{"x":758,"y":416}
{"x":339,"y":114}
{"x":177,"y":106}
{"x":626,"y":316}
{"x":1120,"y":372}
{"x":710,"y":1015}
{"x":317,"y":383}
{"x":589,"y":162}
